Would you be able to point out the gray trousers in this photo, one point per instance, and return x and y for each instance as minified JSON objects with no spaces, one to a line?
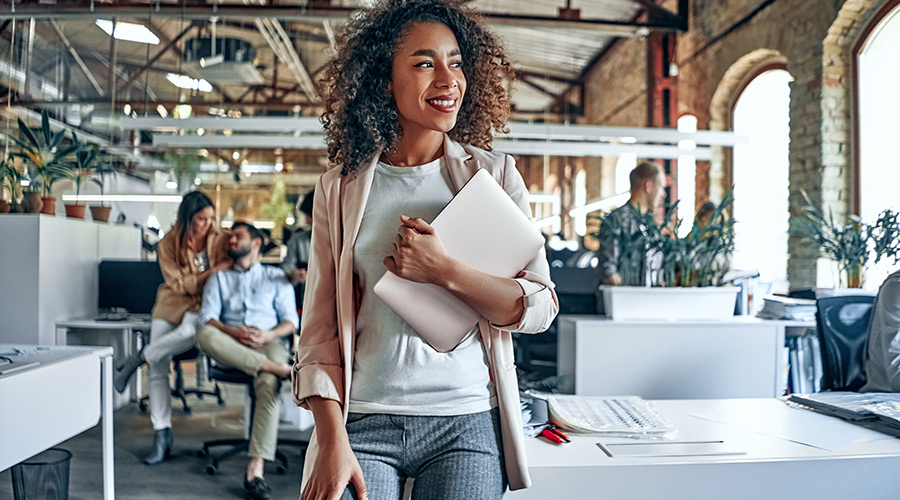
{"x":450,"y":458}
{"x":226,"y":350}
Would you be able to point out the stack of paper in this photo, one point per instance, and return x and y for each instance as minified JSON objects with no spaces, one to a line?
{"x":776,"y":307}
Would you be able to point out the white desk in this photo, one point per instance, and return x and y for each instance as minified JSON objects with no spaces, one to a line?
{"x":124,"y":336}
{"x":66,"y":393}
{"x":742,"y":357}
{"x":771,"y":468}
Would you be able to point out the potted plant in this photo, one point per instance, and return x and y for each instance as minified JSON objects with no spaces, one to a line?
{"x":101,"y":213}
{"x":851,"y":244}
{"x":80,"y":171}
{"x":43,"y":152}
{"x":687,"y":284}
{"x":9,"y":180}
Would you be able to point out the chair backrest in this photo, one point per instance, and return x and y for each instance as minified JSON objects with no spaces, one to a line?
{"x":842,"y":324}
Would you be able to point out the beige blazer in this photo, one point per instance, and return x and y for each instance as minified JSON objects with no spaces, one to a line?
{"x":323,"y":364}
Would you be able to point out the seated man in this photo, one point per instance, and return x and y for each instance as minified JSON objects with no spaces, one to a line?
{"x":244,"y":313}
{"x":883,"y":351}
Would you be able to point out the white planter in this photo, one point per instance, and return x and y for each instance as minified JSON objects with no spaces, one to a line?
{"x":669,"y":303}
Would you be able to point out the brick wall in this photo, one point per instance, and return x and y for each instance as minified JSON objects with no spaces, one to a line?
{"x":727,"y":42}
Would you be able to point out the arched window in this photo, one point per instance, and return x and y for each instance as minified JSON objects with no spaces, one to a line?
{"x":761,"y":177}
{"x":878,"y":108}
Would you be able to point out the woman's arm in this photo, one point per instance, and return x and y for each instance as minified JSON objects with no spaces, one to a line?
{"x":419,"y":255}
{"x":336,"y":465}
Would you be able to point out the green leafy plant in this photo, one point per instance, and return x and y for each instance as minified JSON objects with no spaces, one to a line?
{"x":698,"y":259}
{"x":277,"y":209}
{"x":84,"y":169}
{"x":43,"y":152}
{"x":851,"y":244}
{"x":10,"y":178}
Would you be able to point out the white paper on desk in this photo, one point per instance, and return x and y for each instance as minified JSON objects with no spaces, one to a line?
{"x":792,"y":424}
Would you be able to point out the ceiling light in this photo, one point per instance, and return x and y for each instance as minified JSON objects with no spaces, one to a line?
{"x":279,"y":167}
{"x":201,"y":131}
{"x":127,"y":109}
{"x":186,"y":82}
{"x":235,"y":155}
{"x":129,"y":32}
{"x":206,"y":62}
{"x":197,"y":181}
{"x":171,"y":184}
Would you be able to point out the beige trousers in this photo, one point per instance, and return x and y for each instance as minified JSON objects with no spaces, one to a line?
{"x":226,"y":350}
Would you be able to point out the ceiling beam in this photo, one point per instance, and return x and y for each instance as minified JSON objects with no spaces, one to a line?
{"x":537,"y":87}
{"x":657,"y":12}
{"x":283,"y":47}
{"x":316,"y":14}
{"x":78,"y":60}
{"x":140,"y":71}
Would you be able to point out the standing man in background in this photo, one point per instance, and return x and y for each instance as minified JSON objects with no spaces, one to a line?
{"x":648,"y":183}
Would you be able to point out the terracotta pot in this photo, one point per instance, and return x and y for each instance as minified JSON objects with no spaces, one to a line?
{"x":4,"y":207}
{"x":49,"y":207}
{"x":100,"y":214}
{"x":75,"y":211}
{"x":32,"y":203}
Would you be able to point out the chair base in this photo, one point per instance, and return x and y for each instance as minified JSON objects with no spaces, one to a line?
{"x":182,"y":395}
{"x":238,"y":445}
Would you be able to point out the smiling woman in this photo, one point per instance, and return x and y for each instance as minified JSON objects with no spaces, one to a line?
{"x":361,"y":116}
{"x":411,"y":100}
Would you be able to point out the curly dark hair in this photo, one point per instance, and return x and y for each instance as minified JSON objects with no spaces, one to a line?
{"x":360,"y":116}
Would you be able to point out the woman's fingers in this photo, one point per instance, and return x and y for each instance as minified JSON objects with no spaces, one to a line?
{"x":356,"y":479}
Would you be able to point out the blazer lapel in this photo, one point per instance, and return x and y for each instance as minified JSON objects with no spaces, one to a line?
{"x":353,"y":200}
{"x":460,"y":164}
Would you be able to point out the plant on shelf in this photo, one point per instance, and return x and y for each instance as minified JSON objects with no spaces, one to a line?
{"x":851,"y":244}
{"x":10,"y":178}
{"x":83,"y":169}
{"x":102,"y":170}
{"x":43,"y":153}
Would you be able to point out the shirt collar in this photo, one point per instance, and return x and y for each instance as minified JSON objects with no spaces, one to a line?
{"x":238,"y":268}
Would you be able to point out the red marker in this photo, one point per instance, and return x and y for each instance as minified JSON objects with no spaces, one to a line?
{"x":554,"y":429}
{"x":550,"y":436}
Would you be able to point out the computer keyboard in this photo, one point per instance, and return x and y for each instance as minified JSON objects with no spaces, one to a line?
{"x":613,"y":416}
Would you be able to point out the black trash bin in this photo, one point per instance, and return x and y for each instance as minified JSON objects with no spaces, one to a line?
{"x":44,"y":476}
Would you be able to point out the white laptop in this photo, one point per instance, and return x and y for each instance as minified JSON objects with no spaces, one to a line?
{"x":481,"y":227}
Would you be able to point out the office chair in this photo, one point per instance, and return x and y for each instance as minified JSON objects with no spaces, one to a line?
{"x":842,"y":324}
{"x":179,"y":390}
{"x":230,"y":375}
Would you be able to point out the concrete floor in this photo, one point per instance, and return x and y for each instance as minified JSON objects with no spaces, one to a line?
{"x":183,"y":477}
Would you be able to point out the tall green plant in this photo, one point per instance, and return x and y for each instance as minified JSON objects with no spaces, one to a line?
{"x":43,"y":152}
{"x":698,"y":259}
{"x":83,"y":169}
{"x":852,"y":243}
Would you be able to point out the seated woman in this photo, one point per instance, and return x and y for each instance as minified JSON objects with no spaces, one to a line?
{"x":188,"y":255}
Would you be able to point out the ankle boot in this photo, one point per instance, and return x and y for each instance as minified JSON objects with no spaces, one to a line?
{"x":126,"y":370}
{"x":162,"y":447}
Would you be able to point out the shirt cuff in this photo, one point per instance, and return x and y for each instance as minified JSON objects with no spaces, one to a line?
{"x":534,"y":294}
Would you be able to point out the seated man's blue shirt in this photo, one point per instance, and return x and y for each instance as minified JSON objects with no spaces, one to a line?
{"x":260,"y":296}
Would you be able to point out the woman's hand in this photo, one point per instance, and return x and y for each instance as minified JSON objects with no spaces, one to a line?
{"x":418,"y":254}
{"x":335,"y":468}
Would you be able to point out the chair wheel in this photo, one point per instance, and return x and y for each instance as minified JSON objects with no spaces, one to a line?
{"x":199,"y":395}
{"x":222,"y":403}
{"x":187,"y":410}
{"x":211,"y":469}
{"x":280,"y":469}
{"x":142,"y":407}
{"x":202,"y":454}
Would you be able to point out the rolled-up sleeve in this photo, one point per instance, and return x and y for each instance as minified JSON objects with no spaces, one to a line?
{"x":538,"y":293}
{"x":211,"y":306}
{"x":318,"y":366}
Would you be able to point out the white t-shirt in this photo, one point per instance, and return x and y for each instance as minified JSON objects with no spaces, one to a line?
{"x":394,"y":370}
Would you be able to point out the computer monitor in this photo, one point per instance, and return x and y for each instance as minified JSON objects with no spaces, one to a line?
{"x":129,"y":285}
